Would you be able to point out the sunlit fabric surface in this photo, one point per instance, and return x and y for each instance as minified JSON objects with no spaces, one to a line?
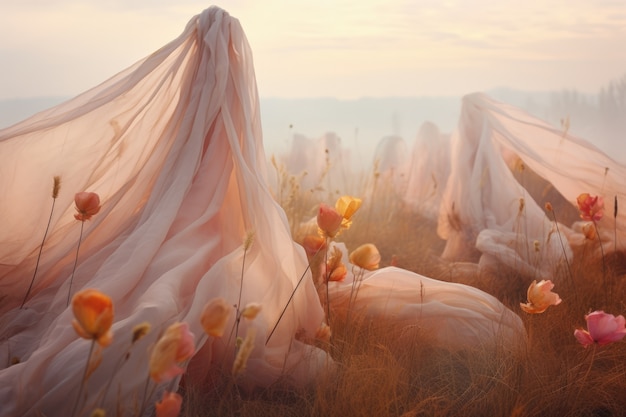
{"x":173,"y":146}
{"x":485,"y":207}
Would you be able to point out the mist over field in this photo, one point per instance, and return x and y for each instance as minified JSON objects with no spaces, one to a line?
{"x":362,"y":123}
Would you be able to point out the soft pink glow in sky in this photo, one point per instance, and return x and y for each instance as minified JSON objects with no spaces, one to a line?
{"x":332,"y":48}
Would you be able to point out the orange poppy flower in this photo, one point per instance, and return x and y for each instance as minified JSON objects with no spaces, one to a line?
{"x":540,"y":297}
{"x":169,"y":406}
{"x":94,"y":316}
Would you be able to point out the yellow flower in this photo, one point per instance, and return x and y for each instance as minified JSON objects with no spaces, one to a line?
{"x":540,"y":297}
{"x":215,"y":316}
{"x":366,"y":256}
{"x":94,"y":316}
{"x":335,"y":268}
{"x":251,"y":310}
{"x":347,"y":206}
{"x":589,"y":231}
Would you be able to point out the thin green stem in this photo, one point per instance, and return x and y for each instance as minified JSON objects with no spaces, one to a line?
{"x":604,"y":279}
{"x":356,"y":284}
{"x":82,"y":382}
{"x":569,"y":271}
{"x":615,"y":224}
{"x":584,"y":378}
{"x":327,"y":279}
{"x":243,"y":263}
{"x":121,"y":360}
{"x":290,"y":298}
{"x":32,"y":281}
{"x":143,"y":399}
{"x":69,"y":292}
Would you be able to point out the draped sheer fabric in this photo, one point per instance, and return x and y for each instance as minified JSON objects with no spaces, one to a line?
{"x":321,"y":165}
{"x":173,"y":146}
{"x":390,"y":165}
{"x":485,"y":207}
{"x":428,"y":171}
{"x":457,"y":316}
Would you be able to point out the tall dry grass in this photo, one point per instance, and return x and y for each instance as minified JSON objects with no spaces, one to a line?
{"x":387,"y":370}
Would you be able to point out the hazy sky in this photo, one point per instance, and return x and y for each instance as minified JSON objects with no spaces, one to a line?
{"x":329,"y":48}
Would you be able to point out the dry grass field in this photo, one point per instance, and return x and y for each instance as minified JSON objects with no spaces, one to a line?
{"x":383,"y":370}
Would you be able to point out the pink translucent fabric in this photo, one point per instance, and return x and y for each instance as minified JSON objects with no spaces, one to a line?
{"x":173,"y":146}
{"x":481,"y":205}
{"x":321,"y":165}
{"x":391,"y":165}
{"x":429,"y":168}
{"x":456,"y":315}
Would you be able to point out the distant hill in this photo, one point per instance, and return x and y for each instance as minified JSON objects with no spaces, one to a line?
{"x":363,"y":122}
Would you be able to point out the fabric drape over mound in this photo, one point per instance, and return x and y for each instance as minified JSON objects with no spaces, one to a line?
{"x":485,"y":207}
{"x":173,"y":146}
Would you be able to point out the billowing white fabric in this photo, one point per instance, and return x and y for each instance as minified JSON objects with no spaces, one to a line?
{"x":428,"y":171}
{"x":391,"y":164}
{"x":481,"y":206}
{"x":456,"y":315}
{"x":321,"y":165}
{"x":173,"y":147}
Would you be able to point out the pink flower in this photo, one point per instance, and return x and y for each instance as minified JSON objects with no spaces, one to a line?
{"x":169,"y":406}
{"x":329,"y":220}
{"x":603,"y":329}
{"x":540,"y":297}
{"x":175,"y":346}
{"x":87,"y":204}
{"x":591,"y":207}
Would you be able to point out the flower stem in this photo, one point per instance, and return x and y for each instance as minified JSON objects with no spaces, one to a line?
{"x":120,"y":361}
{"x":584,"y":378}
{"x":569,"y":271}
{"x":32,"y":281}
{"x":327,"y":279}
{"x":143,"y":399}
{"x":290,"y":298}
{"x":69,"y":292}
{"x":238,"y":318}
{"x":356,"y":284}
{"x":82,"y":382}
{"x":606,"y":295}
